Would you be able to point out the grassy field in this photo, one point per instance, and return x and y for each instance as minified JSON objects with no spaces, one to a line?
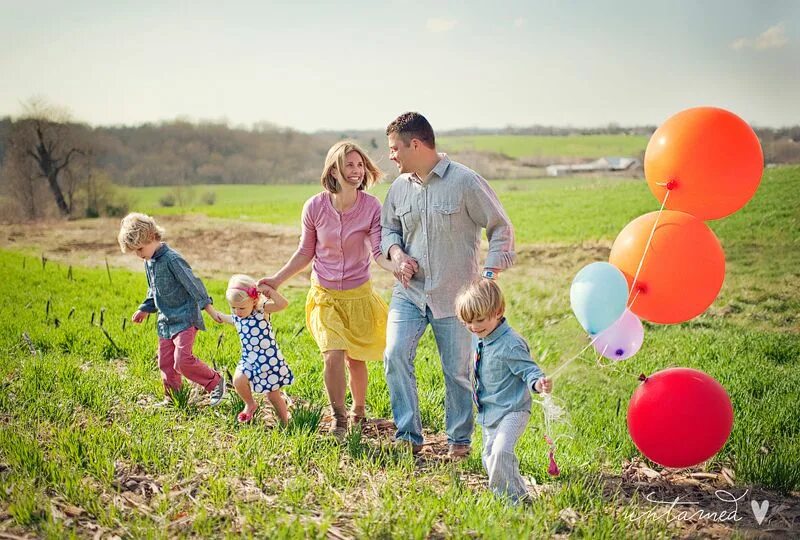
{"x":82,"y":449}
{"x":537,"y":207}
{"x":540,"y":146}
{"x":571,"y":210}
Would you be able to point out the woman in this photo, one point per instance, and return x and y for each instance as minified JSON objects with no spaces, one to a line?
{"x":346,"y":317}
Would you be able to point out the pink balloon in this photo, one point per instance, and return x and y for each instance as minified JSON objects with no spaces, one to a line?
{"x":622,"y":339}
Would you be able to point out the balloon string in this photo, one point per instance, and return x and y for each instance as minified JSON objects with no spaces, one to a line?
{"x":551,"y":410}
{"x":647,"y":247}
{"x":564,"y":364}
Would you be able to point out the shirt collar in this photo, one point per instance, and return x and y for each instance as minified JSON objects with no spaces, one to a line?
{"x":439,"y":170}
{"x":501,"y":329}
{"x":160,"y":251}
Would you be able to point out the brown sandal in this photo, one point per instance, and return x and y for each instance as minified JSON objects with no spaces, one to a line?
{"x":358,"y":416}
{"x":339,"y":426}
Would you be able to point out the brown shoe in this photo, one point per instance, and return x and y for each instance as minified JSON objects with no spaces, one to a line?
{"x":404,"y":445}
{"x":459,"y":451}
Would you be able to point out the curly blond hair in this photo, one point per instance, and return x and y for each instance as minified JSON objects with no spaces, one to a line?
{"x":137,"y":230}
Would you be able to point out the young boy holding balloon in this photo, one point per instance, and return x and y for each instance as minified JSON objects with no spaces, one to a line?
{"x":503,"y":376}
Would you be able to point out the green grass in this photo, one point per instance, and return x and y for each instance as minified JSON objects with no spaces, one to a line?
{"x":572,"y":146}
{"x":76,"y":422}
{"x":573,"y":210}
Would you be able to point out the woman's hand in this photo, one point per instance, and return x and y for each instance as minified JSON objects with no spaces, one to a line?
{"x":266,"y":290}
{"x":270,"y":282}
{"x":403,"y":266}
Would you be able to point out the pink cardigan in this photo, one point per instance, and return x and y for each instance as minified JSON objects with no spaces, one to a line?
{"x":341,"y":243}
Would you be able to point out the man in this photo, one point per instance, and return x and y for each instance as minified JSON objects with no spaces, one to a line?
{"x":432,"y":220}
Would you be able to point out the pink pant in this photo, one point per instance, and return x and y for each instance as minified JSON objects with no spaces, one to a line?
{"x":175,"y":358}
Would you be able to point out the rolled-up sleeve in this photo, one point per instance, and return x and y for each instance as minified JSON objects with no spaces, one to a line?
{"x":308,"y":237}
{"x":391,"y":226}
{"x":149,"y":304}
{"x":183,"y":273}
{"x":520,"y":363}
{"x":484,"y":209}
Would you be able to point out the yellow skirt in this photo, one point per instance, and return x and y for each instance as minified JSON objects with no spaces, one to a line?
{"x":353,"y":321}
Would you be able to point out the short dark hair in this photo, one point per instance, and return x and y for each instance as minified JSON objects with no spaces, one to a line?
{"x":412,"y":125}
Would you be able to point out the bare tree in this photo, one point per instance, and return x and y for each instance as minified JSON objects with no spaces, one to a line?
{"x":43,"y":145}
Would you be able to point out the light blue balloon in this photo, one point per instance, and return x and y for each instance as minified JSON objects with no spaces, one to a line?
{"x":598,"y":296}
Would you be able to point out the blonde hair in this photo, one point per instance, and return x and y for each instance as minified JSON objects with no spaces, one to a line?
{"x":480,"y":299}
{"x":136,"y":230}
{"x":336,"y":158}
{"x":242,"y":281}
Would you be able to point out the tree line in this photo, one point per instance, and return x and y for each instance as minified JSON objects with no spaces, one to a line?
{"x":50,"y":163}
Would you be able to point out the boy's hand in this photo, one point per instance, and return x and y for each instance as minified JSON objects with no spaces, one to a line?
{"x":139,"y":316}
{"x":214,"y":314}
{"x":544,"y":385}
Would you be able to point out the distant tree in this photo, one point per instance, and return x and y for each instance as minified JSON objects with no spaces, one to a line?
{"x":43,"y":144}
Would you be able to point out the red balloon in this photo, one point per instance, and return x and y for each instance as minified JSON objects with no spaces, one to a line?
{"x":680,"y":417}
{"x":711,"y":156}
{"x":682,"y":272}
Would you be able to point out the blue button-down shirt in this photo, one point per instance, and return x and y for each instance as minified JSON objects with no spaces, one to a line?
{"x":505,"y":375}
{"x":438,"y":222}
{"x":174,"y":292}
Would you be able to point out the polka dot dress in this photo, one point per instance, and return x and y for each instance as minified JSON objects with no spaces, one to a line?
{"x":262,"y":362}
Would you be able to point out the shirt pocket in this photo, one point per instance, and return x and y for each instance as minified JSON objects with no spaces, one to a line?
{"x":407,"y":217}
{"x":171,"y":294}
{"x":445,"y":215}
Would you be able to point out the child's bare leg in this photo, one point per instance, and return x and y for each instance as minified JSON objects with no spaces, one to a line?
{"x":358,"y":386}
{"x":276,"y":399}
{"x":242,"y":386}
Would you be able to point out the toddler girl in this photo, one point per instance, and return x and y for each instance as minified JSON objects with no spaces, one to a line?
{"x":262,"y":367}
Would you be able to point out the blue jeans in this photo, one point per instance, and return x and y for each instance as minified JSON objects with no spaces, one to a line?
{"x":404,"y":329}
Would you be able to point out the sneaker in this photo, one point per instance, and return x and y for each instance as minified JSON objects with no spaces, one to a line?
{"x":218,"y":392}
{"x":166,"y":402}
{"x":458,"y":451}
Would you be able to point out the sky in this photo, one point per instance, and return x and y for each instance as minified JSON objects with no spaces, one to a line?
{"x":338,"y":65}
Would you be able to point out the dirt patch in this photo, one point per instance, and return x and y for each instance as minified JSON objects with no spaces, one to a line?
{"x":217,"y":248}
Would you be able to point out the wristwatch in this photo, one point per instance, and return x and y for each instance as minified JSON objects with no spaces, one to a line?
{"x":489,"y":274}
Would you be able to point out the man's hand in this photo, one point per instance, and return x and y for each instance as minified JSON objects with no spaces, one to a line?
{"x":403,"y":266}
{"x":139,"y":316}
{"x":544,"y":385}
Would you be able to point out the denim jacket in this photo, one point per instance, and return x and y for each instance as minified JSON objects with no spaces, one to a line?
{"x":505,"y":375}
{"x":174,"y":292}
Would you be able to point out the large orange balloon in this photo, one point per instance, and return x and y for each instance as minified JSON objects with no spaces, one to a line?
{"x":682,"y":272}
{"x":711,"y":156}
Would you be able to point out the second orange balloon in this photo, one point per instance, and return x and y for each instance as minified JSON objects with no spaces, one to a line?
{"x":682,"y":272}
